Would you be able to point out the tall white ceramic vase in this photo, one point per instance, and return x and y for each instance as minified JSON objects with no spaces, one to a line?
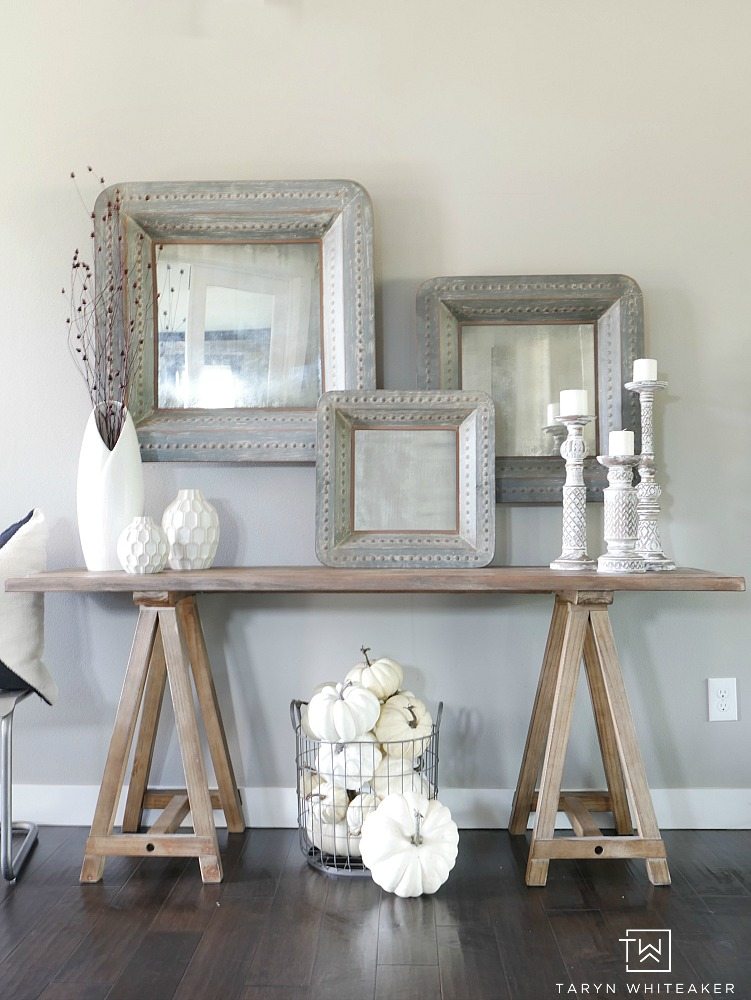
{"x":109,"y":492}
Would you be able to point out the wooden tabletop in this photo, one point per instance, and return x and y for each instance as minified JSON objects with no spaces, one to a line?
{"x":321,"y":579}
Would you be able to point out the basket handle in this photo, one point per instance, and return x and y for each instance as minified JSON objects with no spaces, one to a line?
{"x":295,"y":713}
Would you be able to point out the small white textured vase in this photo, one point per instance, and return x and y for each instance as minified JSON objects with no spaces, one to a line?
{"x":143,"y":547}
{"x":109,"y":492}
{"x":192,"y":528}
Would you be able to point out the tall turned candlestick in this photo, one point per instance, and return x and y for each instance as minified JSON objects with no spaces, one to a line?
{"x":574,"y":450}
{"x":621,"y":517}
{"x":649,"y":490}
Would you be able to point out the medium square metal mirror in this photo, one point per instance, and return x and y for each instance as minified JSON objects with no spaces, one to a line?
{"x":405,"y":479}
{"x":262,"y":299}
{"x":522,"y":340}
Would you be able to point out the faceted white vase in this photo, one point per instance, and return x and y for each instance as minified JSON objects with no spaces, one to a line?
{"x":143,"y":547}
{"x":109,"y":492}
{"x":192,"y":528}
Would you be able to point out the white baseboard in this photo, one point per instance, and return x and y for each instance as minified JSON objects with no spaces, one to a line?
{"x":472,"y":808}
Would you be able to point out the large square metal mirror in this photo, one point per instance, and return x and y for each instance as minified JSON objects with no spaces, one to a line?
{"x":261,"y":298}
{"x":522,"y":340}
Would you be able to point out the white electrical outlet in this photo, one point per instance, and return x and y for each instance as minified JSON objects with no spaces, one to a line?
{"x":722,"y":699}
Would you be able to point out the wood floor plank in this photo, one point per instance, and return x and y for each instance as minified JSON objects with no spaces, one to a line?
{"x":74,"y":991}
{"x":157,"y":966}
{"x":260,"y":864}
{"x":407,"y":931}
{"x":408,"y":982}
{"x":730,"y":850}
{"x":486,"y":862}
{"x":120,"y":927}
{"x":692,"y":854}
{"x":345,"y":964}
{"x":468,"y":954}
{"x":220,"y":964}
{"x":529,"y":951}
{"x":289,"y":942}
{"x":192,"y":903}
{"x":275,"y":993}
{"x":65,"y":919}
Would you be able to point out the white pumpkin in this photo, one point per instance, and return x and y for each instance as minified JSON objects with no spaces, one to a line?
{"x":304,"y":710}
{"x":404,"y":717}
{"x":326,"y":802}
{"x":359,"y":809}
{"x":342,"y":712}
{"x":351,"y":764}
{"x":383,"y":677}
{"x":410,"y":844}
{"x":304,"y":723}
{"x":398,"y":774}
{"x":333,"y":838}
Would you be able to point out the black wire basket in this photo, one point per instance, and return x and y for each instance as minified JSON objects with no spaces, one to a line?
{"x":340,"y":784}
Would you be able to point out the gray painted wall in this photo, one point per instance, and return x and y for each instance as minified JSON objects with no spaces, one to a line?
{"x":516,"y":137}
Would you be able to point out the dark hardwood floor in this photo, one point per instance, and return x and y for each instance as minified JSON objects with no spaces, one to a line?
{"x":277,"y":930}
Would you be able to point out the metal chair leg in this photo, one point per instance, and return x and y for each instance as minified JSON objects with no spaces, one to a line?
{"x":9,"y":863}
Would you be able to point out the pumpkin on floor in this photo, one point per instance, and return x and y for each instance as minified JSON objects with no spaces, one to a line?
{"x":410,"y":844}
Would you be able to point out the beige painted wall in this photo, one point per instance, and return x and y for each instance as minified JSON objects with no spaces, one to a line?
{"x":505,"y":137}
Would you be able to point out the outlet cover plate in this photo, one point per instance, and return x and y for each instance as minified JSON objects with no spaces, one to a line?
{"x":722,"y":699}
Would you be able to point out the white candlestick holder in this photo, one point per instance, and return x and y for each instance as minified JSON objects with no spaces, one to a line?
{"x":621,"y":517}
{"x":649,"y":490}
{"x":574,"y":449}
{"x":557,"y":433}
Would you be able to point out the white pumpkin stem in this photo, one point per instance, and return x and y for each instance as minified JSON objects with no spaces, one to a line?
{"x":413,"y":721}
{"x":417,"y":837}
{"x":365,"y":650}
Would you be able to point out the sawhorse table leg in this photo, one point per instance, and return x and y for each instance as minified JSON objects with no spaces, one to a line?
{"x":580,"y":628}
{"x":168,"y":647}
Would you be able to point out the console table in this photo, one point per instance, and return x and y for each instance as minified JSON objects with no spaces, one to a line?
{"x":169,"y":645}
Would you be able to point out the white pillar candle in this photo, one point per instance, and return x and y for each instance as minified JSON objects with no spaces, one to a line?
{"x":554,"y":411}
{"x":645,"y":370}
{"x":621,"y":443}
{"x":574,"y":403}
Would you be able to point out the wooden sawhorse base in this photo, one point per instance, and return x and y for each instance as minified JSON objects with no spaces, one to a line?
{"x":580,"y":626}
{"x":168,"y":645}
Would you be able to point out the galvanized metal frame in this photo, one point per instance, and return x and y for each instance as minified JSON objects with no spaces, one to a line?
{"x":337,"y":213}
{"x":472,"y":544}
{"x":612,"y":302}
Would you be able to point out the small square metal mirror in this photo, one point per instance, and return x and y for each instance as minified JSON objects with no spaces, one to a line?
{"x":523,"y":340}
{"x":262,"y":298}
{"x":405,"y":479}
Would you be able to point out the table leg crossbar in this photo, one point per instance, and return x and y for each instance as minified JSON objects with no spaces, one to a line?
{"x":580,"y":630}
{"x":168,"y":650}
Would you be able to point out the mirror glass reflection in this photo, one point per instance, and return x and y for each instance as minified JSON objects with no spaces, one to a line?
{"x":239,"y":325}
{"x":405,"y":479}
{"x":524,"y":368}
